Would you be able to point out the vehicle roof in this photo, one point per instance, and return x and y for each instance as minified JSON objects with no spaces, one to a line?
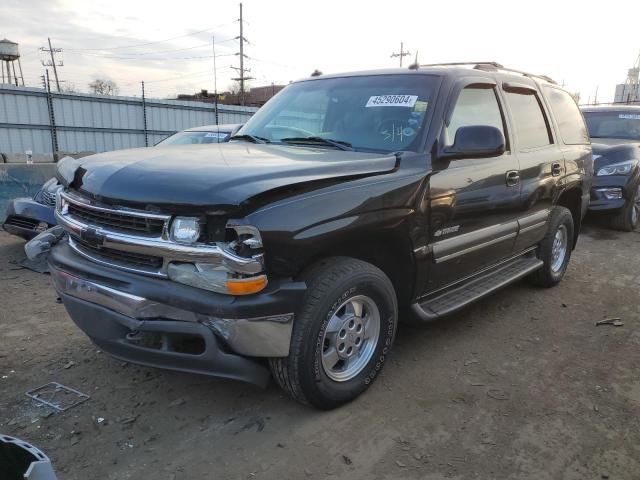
{"x":449,"y":70}
{"x":224,"y":127}
{"x":611,"y":108}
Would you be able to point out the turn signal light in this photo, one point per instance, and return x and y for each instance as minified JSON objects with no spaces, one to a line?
{"x":246,"y":286}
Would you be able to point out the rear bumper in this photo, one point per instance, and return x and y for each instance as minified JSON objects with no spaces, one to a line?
{"x":24,"y":215}
{"x":148,"y":320}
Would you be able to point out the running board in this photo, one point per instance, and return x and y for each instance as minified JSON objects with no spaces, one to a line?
{"x":476,"y":288}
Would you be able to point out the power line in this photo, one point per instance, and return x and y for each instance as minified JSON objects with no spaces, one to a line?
{"x":137,"y":59}
{"x":157,"y":41}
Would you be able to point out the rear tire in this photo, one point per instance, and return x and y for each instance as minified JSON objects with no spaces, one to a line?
{"x":628,"y":217}
{"x":342,"y":333}
{"x":555,"y":249}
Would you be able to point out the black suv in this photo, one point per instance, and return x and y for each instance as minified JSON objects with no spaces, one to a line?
{"x":345,"y":200}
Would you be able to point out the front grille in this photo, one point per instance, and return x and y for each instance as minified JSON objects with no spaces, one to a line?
{"x":118,"y":220}
{"x":48,"y":198}
{"x":119,"y":257}
{"x":22,"y":222}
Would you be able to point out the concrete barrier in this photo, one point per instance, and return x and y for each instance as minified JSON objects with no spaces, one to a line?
{"x":21,"y":180}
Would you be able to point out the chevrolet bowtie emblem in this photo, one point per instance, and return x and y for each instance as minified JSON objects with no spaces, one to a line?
{"x":92,"y":237}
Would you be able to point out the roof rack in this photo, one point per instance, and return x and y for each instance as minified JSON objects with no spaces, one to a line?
{"x":490,"y":66}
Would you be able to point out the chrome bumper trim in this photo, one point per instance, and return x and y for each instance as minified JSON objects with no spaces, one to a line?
{"x":256,"y":337}
{"x":157,"y":246}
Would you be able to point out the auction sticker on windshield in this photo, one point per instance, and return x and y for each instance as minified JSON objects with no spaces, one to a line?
{"x":392,"y":101}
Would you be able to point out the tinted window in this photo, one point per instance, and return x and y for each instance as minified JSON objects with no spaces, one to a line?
{"x":570,"y":123}
{"x":529,"y":120}
{"x":622,"y":124}
{"x":475,"y":106}
{"x":382,"y":113}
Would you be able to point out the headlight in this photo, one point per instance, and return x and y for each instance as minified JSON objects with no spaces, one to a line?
{"x":622,"y":168}
{"x":185,"y":230}
{"x":66,"y":170}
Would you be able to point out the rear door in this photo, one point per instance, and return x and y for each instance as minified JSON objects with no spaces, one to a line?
{"x":473,"y":204}
{"x":541,"y":162}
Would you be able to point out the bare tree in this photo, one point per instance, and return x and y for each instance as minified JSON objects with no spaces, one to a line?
{"x":101,"y":86}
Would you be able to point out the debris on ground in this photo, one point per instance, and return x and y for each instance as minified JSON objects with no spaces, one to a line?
{"x":58,"y":396}
{"x":497,"y":394}
{"x":616,"y":322}
{"x":178,"y":402}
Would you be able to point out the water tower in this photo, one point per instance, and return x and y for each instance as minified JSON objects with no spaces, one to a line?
{"x":9,"y":55}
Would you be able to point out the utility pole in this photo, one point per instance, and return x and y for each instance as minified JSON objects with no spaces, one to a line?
{"x":402,"y":53}
{"x":52,"y":51}
{"x":242,"y":78}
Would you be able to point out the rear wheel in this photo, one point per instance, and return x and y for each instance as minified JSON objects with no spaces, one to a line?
{"x":628,"y":218}
{"x":342,"y":334}
{"x":555,"y":249}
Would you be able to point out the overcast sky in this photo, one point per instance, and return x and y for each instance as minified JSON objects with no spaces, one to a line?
{"x":578,"y":45}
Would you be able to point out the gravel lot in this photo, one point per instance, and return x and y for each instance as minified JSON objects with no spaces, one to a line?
{"x":520,"y":385}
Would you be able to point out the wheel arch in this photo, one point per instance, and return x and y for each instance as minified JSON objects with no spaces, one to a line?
{"x":571,"y":199}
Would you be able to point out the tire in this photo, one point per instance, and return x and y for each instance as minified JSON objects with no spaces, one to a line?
{"x":554,"y":267}
{"x":335,"y":288}
{"x":628,"y":217}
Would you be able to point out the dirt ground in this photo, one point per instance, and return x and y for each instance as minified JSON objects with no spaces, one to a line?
{"x":520,"y":385}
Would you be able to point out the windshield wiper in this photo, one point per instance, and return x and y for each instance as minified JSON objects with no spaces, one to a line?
{"x":251,"y":138}
{"x":339,"y":144}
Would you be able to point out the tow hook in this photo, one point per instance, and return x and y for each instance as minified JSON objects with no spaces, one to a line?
{"x":38,"y":247}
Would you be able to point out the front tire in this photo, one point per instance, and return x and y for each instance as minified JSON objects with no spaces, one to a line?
{"x":342,"y":334}
{"x":555,"y":249}
{"x":628,"y":218}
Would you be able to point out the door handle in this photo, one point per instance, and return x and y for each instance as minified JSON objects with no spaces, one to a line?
{"x":513,"y":177}
{"x":556,"y":169}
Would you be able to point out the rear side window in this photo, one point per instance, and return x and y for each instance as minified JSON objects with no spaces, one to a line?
{"x":475,"y":106}
{"x":570,"y":122}
{"x":530,"y":123}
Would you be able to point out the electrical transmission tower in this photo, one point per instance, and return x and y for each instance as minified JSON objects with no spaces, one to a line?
{"x":53,"y":62}
{"x":241,"y":70}
{"x":403,"y":53}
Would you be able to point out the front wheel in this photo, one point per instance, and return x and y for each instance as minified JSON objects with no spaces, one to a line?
{"x":627,"y":219}
{"x":555,"y":249}
{"x":342,"y":334}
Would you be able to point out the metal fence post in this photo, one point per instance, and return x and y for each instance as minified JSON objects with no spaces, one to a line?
{"x":144,"y":117}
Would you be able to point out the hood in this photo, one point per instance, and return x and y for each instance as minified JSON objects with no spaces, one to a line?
{"x":181,"y":178}
{"x":606,"y":154}
{"x":603,"y":142}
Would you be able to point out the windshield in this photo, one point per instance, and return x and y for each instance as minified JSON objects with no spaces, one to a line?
{"x":621,"y":124}
{"x":189,"y":138}
{"x":383,"y":113}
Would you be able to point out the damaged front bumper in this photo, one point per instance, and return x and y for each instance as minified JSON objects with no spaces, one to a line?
{"x":157,"y":322}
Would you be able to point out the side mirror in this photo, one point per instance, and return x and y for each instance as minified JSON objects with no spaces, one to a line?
{"x":475,"y":141}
